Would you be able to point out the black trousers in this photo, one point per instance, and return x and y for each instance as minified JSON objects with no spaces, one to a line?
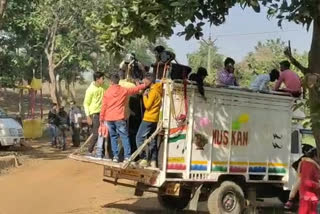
{"x":75,"y":135}
{"x":94,"y":130}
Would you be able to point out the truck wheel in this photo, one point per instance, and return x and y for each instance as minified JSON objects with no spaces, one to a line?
{"x":228,"y":198}
{"x":173,"y":202}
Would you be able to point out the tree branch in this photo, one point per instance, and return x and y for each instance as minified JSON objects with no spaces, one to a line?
{"x":61,"y":60}
{"x":294,"y":61}
{"x":47,"y":42}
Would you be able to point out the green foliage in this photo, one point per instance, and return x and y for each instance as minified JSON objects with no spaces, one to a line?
{"x":200,"y":59}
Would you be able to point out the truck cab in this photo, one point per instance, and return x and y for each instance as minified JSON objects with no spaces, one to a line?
{"x":299,"y":137}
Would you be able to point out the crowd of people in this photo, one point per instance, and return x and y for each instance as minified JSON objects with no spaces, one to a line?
{"x":60,"y":122}
{"x":109,"y":115}
{"x":131,"y":110}
{"x":289,"y":78}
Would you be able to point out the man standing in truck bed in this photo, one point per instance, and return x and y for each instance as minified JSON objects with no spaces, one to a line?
{"x":92,"y":106}
{"x":113,"y":114}
{"x":152,"y":104}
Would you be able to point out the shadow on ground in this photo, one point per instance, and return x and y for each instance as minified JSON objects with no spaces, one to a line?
{"x":141,"y":206}
{"x":38,"y":149}
{"x":151,"y":205}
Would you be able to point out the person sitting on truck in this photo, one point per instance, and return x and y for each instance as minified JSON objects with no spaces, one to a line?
{"x":261,"y":83}
{"x":226,"y":77}
{"x":152,"y":104}
{"x":290,"y":79}
{"x":113,"y":114}
{"x":309,"y":190}
{"x":306,"y":148}
{"x":135,"y":68}
{"x":199,"y":78}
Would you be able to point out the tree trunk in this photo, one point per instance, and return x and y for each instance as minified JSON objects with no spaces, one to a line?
{"x":3,"y":6}
{"x":21,"y":102}
{"x":67,"y":88}
{"x":314,"y":92}
{"x":73,"y":90}
{"x":53,"y":85}
{"x":60,"y":91}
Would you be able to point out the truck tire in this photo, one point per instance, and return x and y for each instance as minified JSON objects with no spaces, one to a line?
{"x":173,"y":202}
{"x":226,"y":199}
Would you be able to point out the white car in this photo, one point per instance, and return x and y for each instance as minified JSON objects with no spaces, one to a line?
{"x":11,"y":132}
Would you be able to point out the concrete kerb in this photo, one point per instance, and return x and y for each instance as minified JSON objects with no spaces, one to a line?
{"x":8,"y":162}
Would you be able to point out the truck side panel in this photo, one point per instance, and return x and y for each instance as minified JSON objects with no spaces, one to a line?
{"x":232,"y":133}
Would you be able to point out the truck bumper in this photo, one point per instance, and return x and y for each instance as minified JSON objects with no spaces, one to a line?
{"x":10,"y":141}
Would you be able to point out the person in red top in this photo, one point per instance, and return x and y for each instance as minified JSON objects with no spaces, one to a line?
{"x":113,"y":114}
{"x":290,"y":79}
{"x":309,"y":190}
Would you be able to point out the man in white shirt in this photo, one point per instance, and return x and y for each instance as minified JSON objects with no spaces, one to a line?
{"x":261,"y":83}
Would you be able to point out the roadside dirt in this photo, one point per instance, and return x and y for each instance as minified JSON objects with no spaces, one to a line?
{"x":48,"y":182}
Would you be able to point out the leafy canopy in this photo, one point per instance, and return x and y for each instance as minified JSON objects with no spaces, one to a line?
{"x":125,"y":20}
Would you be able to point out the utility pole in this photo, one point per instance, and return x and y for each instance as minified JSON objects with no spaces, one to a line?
{"x":209,"y":56}
{"x":209,"y":44}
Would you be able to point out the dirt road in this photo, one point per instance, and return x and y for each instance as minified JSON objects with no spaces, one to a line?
{"x":49,"y":183}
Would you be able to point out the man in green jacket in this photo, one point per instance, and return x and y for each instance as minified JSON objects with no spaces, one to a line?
{"x":92,"y":106}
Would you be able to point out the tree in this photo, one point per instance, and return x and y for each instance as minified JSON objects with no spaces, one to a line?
{"x":67,"y":33}
{"x":133,"y":18}
{"x":19,"y":43}
{"x":206,"y":56}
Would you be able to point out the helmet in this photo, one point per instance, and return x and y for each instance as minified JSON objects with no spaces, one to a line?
{"x":306,"y":148}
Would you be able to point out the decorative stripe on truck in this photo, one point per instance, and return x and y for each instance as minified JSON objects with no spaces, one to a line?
{"x":177,"y":134}
{"x":254,"y":167}
{"x":176,"y":163}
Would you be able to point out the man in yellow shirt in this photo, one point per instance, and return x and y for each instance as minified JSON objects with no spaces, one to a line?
{"x":92,"y":106}
{"x":152,"y":103}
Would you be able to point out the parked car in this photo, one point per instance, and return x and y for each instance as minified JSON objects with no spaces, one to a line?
{"x":11,"y":132}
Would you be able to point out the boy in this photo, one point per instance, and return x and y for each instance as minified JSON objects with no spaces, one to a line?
{"x":63,"y":126}
{"x":92,"y":106}
{"x":226,"y":77}
{"x":199,"y":78}
{"x":53,"y":121}
{"x":290,"y":79}
{"x":75,"y":120}
{"x":262,"y":81}
{"x":152,"y":104}
{"x":113,"y":114}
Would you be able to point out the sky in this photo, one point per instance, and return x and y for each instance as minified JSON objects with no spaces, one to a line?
{"x":231,"y":41}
